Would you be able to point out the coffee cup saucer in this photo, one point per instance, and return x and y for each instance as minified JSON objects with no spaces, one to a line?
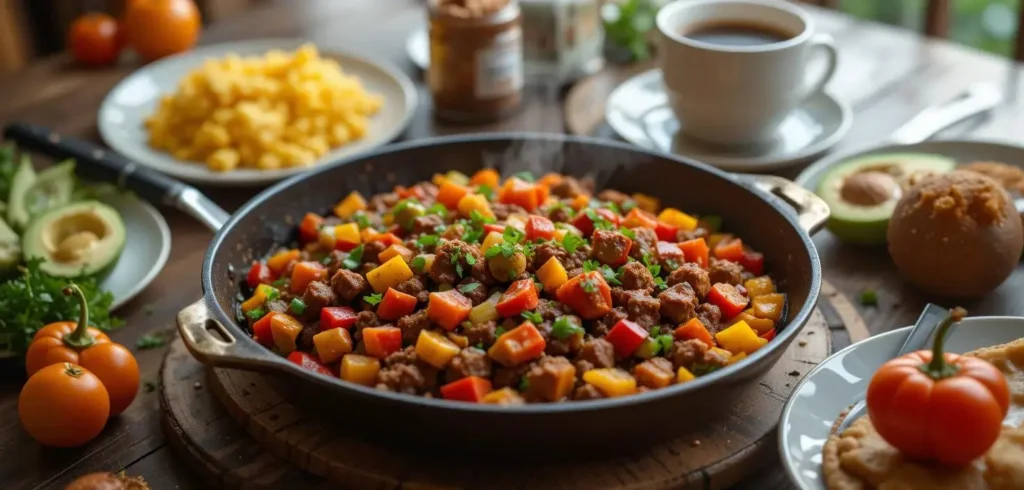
{"x":638,"y":111}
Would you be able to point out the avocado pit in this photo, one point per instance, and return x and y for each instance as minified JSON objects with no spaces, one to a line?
{"x":71,"y":238}
{"x":869,"y":188}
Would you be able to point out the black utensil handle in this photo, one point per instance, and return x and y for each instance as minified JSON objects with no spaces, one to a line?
{"x":102,"y":165}
{"x":95,"y":163}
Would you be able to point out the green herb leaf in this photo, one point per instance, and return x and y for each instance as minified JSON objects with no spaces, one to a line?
{"x":614,"y":207}
{"x":373,"y":299}
{"x":325,"y":260}
{"x":479,"y":345}
{"x":513,"y":235}
{"x":471,"y":259}
{"x":298,"y":306}
{"x":527,"y":176}
{"x":273,"y":293}
{"x":153,"y":341}
{"x":354,"y":259}
{"x":590,"y":265}
{"x":362,"y":220}
{"x":468,"y":288}
{"x":589,"y":285}
{"x":498,"y":332}
{"x":486,"y":191}
{"x":438,"y":209}
{"x":427,"y":241}
{"x":660,"y":283}
{"x":652,"y":266}
{"x":533,"y":316}
{"x":868,"y":297}
{"x":565,"y":327}
{"x":476,"y":218}
{"x":418,"y":262}
{"x":571,"y":242}
{"x":629,"y":233}
{"x":473,"y":235}
{"x":610,"y":276}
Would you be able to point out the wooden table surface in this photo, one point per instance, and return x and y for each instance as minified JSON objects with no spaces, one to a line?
{"x":887,"y":75}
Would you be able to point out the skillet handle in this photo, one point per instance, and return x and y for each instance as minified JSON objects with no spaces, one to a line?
{"x":811,"y":211}
{"x":214,"y":345}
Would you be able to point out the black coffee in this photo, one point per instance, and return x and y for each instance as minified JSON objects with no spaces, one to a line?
{"x":736,"y":34}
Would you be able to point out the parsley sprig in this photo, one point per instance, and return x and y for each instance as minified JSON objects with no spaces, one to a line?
{"x":355,"y":257}
{"x":373,"y":299}
{"x":565,"y":327}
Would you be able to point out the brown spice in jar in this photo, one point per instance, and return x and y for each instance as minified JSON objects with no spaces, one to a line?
{"x":476,"y":71}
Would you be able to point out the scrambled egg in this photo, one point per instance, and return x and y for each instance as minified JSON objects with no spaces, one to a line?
{"x":266,"y":112}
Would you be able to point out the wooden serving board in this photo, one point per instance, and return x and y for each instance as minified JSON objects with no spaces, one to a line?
{"x":238,"y":432}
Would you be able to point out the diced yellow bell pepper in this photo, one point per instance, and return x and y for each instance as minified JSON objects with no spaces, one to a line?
{"x":474,"y":202}
{"x":738,"y":357}
{"x":740,"y":337}
{"x":457,"y":177}
{"x":504,"y":396}
{"x":460,"y":340}
{"x":769,"y":306}
{"x":683,"y":375}
{"x":279,"y":261}
{"x":486,"y":311}
{"x":285,"y":329}
{"x":552,"y":275}
{"x":438,"y":179}
{"x":435,"y":349}
{"x":259,"y":297}
{"x":760,"y":325}
{"x":360,"y":369}
{"x":389,"y":274}
{"x":724,"y":354}
{"x":352,"y":203}
{"x":332,"y":344}
{"x":759,"y":286}
{"x":715,"y":238}
{"x":366,"y":233}
{"x":493,"y":238}
{"x":612,"y":382}
{"x":677,"y":218}
{"x":647,"y":203}
{"x":393,"y":251}
{"x":348,"y":233}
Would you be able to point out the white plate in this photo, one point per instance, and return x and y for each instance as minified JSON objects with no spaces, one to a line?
{"x":126,"y":107}
{"x":638,"y":111}
{"x":842,"y":379}
{"x":147,"y":246}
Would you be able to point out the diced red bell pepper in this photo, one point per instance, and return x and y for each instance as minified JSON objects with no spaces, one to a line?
{"x":309,"y":362}
{"x":769,"y":335}
{"x":694,"y":329}
{"x":587,"y":294}
{"x":626,"y":336}
{"x":395,"y":305}
{"x":309,"y":229}
{"x":729,"y":249}
{"x":469,"y":389}
{"x":583,"y":222}
{"x":337,"y":317}
{"x":381,"y":342}
{"x":259,"y":273}
{"x":407,"y":192}
{"x":448,"y":308}
{"x":489,"y":227}
{"x":519,"y":345}
{"x":696,"y":250}
{"x":306,"y":272}
{"x":261,"y":330}
{"x":522,"y":193}
{"x":670,"y":251}
{"x":539,"y":227}
{"x":519,"y":297}
{"x":387,"y":238}
{"x":728,"y":299}
{"x":753,"y":262}
{"x":638,"y":218}
{"x":666,"y":232}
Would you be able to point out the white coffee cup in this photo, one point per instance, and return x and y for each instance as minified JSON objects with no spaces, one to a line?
{"x":734,"y":94}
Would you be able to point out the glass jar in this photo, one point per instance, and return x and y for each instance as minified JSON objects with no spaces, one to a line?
{"x":476,"y":59}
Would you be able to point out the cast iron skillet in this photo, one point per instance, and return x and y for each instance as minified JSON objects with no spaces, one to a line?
{"x":758,"y":208}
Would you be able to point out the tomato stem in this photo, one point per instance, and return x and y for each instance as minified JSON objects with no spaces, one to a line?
{"x":80,"y":338}
{"x":938,"y":368}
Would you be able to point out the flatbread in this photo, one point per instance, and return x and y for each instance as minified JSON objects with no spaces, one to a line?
{"x":859,"y":459}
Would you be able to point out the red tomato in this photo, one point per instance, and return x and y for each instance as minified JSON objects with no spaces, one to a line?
{"x":259,"y":273}
{"x":309,"y":362}
{"x":94,"y":39}
{"x":469,"y":389}
{"x":539,"y":227}
{"x":519,"y":297}
{"x":626,"y":336}
{"x":158,"y":28}
{"x":727,"y":298}
{"x":337,"y":317}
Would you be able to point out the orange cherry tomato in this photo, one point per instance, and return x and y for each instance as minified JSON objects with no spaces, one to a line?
{"x":94,"y":39}
{"x":63,"y":405}
{"x":77,"y":343}
{"x":158,"y":28}
{"x":938,"y":406}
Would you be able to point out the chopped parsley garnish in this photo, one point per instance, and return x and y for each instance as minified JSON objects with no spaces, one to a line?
{"x":373,"y":299}
{"x":454,"y":258}
{"x":614,"y":207}
{"x":671,"y":264}
{"x":355,"y":257}
{"x":468,"y":288}
{"x":533,"y":316}
{"x":524,"y":384}
{"x":868,"y":297}
{"x":362,"y":220}
{"x":472,"y":235}
{"x":610,"y":276}
{"x":471,"y":259}
{"x":486,"y":191}
{"x":478,"y":219}
{"x":419,"y":262}
{"x":653,"y":267}
{"x":565,"y":327}
{"x":513,"y":235}
{"x":589,"y":285}
{"x":590,"y":265}
{"x":498,"y":332}
{"x":298,"y":306}
{"x":571,"y":242}
{"x":153,"y":341}
{"x":599,"y":221}
{"x":526,"y":176}
{"x":660,"y":283}
{"x":629,"y":233}
{"x":438,"y":209}
{"x":479,"y":345}
{"x":427,"y":240}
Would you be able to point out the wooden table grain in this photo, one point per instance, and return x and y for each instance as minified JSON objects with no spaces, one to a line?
{"x":887,"y":74}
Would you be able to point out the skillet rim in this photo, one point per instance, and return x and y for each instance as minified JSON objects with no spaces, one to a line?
{"x":278,"y":363}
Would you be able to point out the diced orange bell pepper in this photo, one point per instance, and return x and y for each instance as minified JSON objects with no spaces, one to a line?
{"x":587,"y":294}
{"x":759,"y":286}
{"x":381,"y":342}
{"x":306,"y":272}
{"x":352,"y":203}
{"x":395,"y":305}
{"x":469,"y":389}
{"x":647,"y":203}
{"x":678,"y":219}
{"x":612,"y":382}
{"x":552,"y":275}
{"x":649,"y":375}
{"x":279,"y":261}
{"x":696,"y":251}
{"x":285,"y":329}
{"x":694,"y":329}
{"x":729,"y":249}
{"x":435,"y":348}
{"x":395,"y":251}
{"x":448,"y":308}
{"x":389,"y":274}
{"x":309,"y":229}
{"x":737,"y":358}
{"x":550,"y":179}
{"x":738,"y":338}
{"x":769,"y":306}
{"x":332,"y":344}
{"x":579,"y":202}
{"x":449,"y":194}
{"x":728,"y":299}
{"x":638,"y":218}
{"x":388,"y":239}
{"x":760,"y":325}
{"x":519,"y":345}
{"x":522,"y":193}
{"x":261,"y":329}
{"x":519,"y":297}
{"x":486,"y":176}
{"x":360,"y":369}
{"x":539,"y":227}
{"x":683,"y":375}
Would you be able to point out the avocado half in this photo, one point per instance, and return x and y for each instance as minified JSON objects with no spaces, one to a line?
{"x":862,"y":192}
{"x":80,"y":239}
